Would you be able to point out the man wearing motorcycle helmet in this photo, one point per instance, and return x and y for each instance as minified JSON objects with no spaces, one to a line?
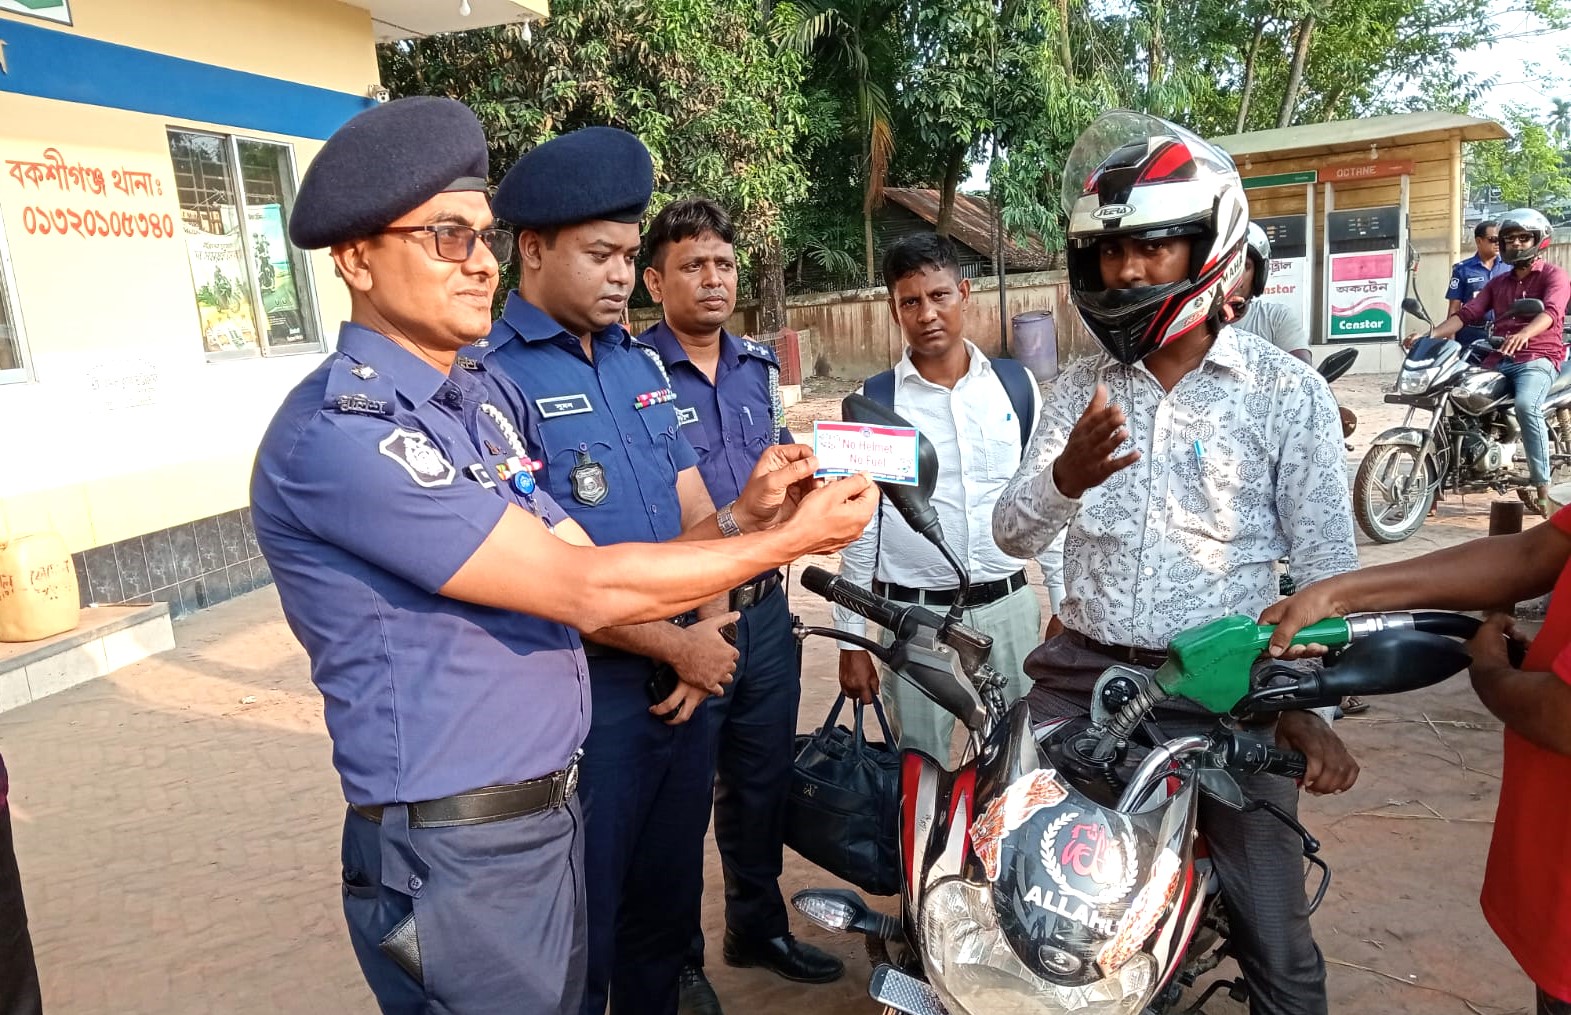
{"x":1533,"y":349}
{"x":1274,"y":322}
{"x":1215,"y":456}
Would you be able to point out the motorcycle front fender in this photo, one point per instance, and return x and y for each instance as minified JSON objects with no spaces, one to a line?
{"x":1402,"y":436}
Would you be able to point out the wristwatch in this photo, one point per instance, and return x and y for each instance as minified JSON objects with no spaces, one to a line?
{"x":728,"y":525}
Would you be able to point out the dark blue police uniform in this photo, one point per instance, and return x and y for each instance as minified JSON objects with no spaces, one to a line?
{"x":373,"y":485}
{"x":1468,"y":278}
{"x":455,"y":727}
{"x":730,"y":423}
{"x":606,"y":435}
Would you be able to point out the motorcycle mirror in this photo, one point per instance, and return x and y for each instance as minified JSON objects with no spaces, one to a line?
{"x":1416,"y":308}
{"x":1390,"y":662}
{"x":1526,"y":307}
{"x":1337,"y":364}
{"x":913,"y":502}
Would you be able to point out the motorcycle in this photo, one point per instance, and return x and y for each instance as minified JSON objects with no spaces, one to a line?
{"x":1472,"y":442}
{"x":1057,"y":870}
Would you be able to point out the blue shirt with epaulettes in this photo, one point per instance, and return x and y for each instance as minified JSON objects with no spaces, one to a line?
{"x":377,"y":479}
{"x":616,"y":410}
{"x":731,"y":421}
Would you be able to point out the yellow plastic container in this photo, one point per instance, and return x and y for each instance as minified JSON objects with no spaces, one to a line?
{"x":38,"y":593}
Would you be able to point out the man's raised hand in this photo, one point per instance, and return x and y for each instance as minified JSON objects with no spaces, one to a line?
{"x":1087,"y":459}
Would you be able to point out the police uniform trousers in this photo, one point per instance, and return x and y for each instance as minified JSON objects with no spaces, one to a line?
{"x":754,"y":730}
{"x":646,"y":792}
{"x":19,"y":994}
{"x":498,"y":911}
{"x":1259,"y":859}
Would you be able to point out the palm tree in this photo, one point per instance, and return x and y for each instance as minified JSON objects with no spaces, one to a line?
{"x":858,"y":40}
{"x":1560,"y":119}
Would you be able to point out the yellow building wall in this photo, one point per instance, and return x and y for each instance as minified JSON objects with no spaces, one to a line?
{"x":125,"y":428}
{"x":1434,"y":206}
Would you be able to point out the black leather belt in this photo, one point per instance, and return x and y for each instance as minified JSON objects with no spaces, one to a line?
{"x":491,"y":803}
{"x":980,"y":594}
{"x":1148,"y":657}
{"x":744,"y":596}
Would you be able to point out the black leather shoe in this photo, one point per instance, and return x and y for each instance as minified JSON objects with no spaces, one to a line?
{"x":785,"y":956}
{"x":698,"y":997}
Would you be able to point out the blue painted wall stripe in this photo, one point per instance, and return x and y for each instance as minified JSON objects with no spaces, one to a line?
{"x":53,"y":64}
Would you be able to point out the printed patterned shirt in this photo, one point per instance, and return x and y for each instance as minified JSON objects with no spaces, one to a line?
{"x":1241,"y":465}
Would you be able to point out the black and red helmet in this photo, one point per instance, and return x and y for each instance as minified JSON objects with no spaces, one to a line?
{"x":1130,"y":174}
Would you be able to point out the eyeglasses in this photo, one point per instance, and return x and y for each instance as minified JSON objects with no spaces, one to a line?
{"x":457,"y":243}
{"x":1490,"y":239}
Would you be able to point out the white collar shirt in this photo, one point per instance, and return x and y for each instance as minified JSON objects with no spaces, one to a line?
{"x":1241,"y":465}
{"x":976,"y":433}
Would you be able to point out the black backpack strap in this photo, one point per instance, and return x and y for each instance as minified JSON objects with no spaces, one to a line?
{"x":1017,"y":385}
{"x":881,"y":388}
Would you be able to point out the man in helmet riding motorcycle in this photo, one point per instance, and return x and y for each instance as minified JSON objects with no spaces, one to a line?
{"x":1274,"y":322}
{"x":1184,"y":461}
{"x":1532,"y":350}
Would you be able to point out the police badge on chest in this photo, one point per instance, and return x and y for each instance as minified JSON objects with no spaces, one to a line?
{"x":588,"y":480}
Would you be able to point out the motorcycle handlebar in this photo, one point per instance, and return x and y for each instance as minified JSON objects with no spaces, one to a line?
{"x":1291,"y":764}
{"x":898,"y":618}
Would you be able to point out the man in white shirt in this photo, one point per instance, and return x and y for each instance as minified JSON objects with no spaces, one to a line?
{"x":1185,"y":462}
{"x":955,"y":396}
{"x":1274,"y":322}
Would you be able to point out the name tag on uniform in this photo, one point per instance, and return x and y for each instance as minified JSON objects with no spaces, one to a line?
{"x":686,"y":416}
{"x":563,"y":405}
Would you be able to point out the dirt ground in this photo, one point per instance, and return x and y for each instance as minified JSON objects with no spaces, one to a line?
{"x":177,"y":827}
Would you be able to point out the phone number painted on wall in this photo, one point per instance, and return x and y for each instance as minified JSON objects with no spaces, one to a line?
{"x":39,"y":221}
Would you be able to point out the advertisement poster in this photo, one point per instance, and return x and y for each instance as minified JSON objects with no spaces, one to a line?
{"x":223,"y":297}
{"x":1365,"y":293}
{"x":49,"y":10}
{"x":274,"y":274}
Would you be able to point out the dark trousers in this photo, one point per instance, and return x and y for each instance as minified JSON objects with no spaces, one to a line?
{"x":646,"y":789}
{"x":1552,"y":1006}
{"x":498,"y":911}
{"x":19,"y":993}
{"x":755,"y":728}
{"x":1259,"y":859}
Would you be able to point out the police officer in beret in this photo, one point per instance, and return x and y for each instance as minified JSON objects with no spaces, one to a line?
{"x":432,"y":587}
{"x":604,"y":430}
{"x":729,"y":408}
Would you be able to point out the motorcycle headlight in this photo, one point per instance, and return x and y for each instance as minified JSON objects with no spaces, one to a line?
{"x":1413,"y":382}
{"x":970,"y":964}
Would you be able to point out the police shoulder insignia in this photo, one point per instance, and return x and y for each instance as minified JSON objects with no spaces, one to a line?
{"x":363,"y":371}
{"x":362,"y":404}
{"x":419,"y":457}
{"x":468,"y":363}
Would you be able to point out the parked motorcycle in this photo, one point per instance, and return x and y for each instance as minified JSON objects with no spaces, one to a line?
{"x":1058,"y":870}
{"x":1472,"y":442}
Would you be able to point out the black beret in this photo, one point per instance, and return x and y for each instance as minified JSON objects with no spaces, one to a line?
{"x":384,"y":163}
{"x":594,"y":174}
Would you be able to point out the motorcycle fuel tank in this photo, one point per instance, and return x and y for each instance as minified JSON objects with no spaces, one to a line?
{"x":1480,"y":391}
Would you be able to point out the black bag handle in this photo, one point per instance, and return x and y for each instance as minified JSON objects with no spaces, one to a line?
{"x":859,"y":736}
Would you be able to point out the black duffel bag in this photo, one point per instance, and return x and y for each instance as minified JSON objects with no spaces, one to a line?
{"x":843,"y":813}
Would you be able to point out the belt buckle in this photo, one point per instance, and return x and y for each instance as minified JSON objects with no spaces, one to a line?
{"x":744,"y":596}
{"x":566,"y":782}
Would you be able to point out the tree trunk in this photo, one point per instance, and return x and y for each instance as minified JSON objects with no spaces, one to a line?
{"x":1065,"y":53}
{"x":771,"y":287}
{"x":1295,"y":71}
{"x":946,"y":199}
{"x":867,"y":238}
{"x":1249,"y":75}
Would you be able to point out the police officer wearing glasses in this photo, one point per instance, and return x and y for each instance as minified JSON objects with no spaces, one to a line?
{"x":432,"y":590}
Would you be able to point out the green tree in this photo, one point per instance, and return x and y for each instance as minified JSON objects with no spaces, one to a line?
{"x":1529,"y":168}
{"x":697,"y":80}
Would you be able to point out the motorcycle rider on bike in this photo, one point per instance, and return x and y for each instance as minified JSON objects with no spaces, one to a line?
{"x":1274,"y":322}
{"x":1215,"y":457}
{"x":1533,"y":350}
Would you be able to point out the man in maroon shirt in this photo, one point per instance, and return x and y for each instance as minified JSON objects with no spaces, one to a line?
{"x":18,"y":976}
{"x":1533,"y":348}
